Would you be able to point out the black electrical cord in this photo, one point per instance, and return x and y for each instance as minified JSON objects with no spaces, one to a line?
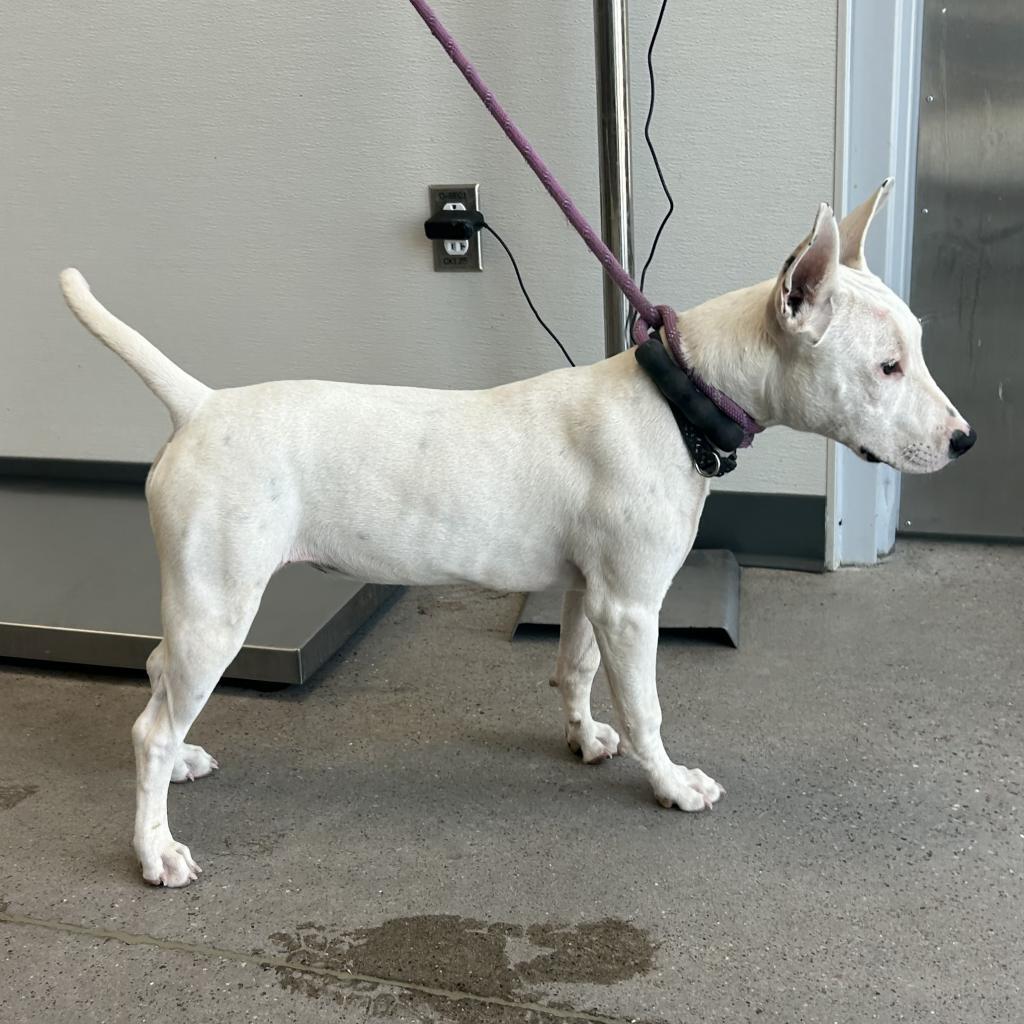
{"x":526,"y":294}
{"x":650,"y":145}
{"x":654,"y":157}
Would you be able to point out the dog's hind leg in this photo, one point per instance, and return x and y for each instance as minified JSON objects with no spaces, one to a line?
{"x":192,"y":762}
{"x":578,"y":660}
{"x":206,"y":618}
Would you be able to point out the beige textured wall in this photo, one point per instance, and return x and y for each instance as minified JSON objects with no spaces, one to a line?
{"x":245,"y":183}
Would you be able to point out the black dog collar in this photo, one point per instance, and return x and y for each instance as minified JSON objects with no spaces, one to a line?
{"x":707,"y":432}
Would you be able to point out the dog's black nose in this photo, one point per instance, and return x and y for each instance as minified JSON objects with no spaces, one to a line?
{"x":961,"y":442}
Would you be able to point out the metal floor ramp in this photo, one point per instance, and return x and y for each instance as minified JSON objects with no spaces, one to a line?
{"x":79,"y":581}
{"x":704,"y":600}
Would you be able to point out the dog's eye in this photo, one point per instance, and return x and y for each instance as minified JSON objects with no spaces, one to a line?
{"x":891,"y":367}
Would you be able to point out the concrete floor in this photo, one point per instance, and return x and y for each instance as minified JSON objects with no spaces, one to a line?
{"x":408,"y":839}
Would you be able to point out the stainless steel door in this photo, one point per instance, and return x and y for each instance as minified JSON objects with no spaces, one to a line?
{"x":968,"y":270}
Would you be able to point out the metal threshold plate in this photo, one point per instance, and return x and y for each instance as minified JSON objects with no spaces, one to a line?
{"x":704,"y":599}
{"x":80,"y":584}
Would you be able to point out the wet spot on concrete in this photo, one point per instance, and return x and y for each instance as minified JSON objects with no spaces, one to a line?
{"x":497,"y":960}
{"x":12,"y":795}
{"x":601,"y":952}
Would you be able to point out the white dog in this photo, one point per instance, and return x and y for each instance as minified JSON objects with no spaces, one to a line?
{"x":577,"y":479}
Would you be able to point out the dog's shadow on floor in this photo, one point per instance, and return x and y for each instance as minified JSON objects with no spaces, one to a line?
{"x":543,"y":756}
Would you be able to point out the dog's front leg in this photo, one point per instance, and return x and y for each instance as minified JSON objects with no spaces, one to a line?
{"x":628,"y":639}
{"x":578,"y":660}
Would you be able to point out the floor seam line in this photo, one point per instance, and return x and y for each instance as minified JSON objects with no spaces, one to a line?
{"x":275,"y":963}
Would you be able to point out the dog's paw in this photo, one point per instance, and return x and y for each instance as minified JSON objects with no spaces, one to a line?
{"x":170,"y":865}
{"x":688,"y":789}
{"x":192,"y":763}
{"x":593,"y":741}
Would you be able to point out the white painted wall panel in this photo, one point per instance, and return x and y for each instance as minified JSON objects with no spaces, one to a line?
{"x":246,"y":182}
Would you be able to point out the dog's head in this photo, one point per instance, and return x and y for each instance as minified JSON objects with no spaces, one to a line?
{"x":854,"y":370}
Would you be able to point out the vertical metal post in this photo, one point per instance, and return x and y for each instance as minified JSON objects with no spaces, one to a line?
{"x":706,"y":593}
{"x":611,"y":58}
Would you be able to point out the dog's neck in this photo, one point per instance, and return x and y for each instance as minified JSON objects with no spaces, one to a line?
{"x":727,"y":341}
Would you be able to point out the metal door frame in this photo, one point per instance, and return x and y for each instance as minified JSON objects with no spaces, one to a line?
{"x":876,"y":135}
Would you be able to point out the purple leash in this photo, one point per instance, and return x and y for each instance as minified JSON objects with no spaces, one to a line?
{"x":649,"y":316}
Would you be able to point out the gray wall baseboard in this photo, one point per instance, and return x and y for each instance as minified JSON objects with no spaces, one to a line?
{"x":93,"y":471}
{"x":773,"y":531}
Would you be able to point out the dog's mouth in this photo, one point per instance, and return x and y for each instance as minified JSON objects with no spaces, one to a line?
{"x":868,"y":455}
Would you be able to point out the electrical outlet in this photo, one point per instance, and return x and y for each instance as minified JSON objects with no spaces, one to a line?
{"x":456,"y":255}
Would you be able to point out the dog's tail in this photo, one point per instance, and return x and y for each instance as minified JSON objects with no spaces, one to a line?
{"x":181,"y":393}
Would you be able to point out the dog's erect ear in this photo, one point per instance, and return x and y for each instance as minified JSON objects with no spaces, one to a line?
{"x":803,"y":292}
{"x":853,"y":228}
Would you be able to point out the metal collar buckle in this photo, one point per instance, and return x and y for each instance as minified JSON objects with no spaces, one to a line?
{"x":702,"y":460}
{"x":709,"y":461}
